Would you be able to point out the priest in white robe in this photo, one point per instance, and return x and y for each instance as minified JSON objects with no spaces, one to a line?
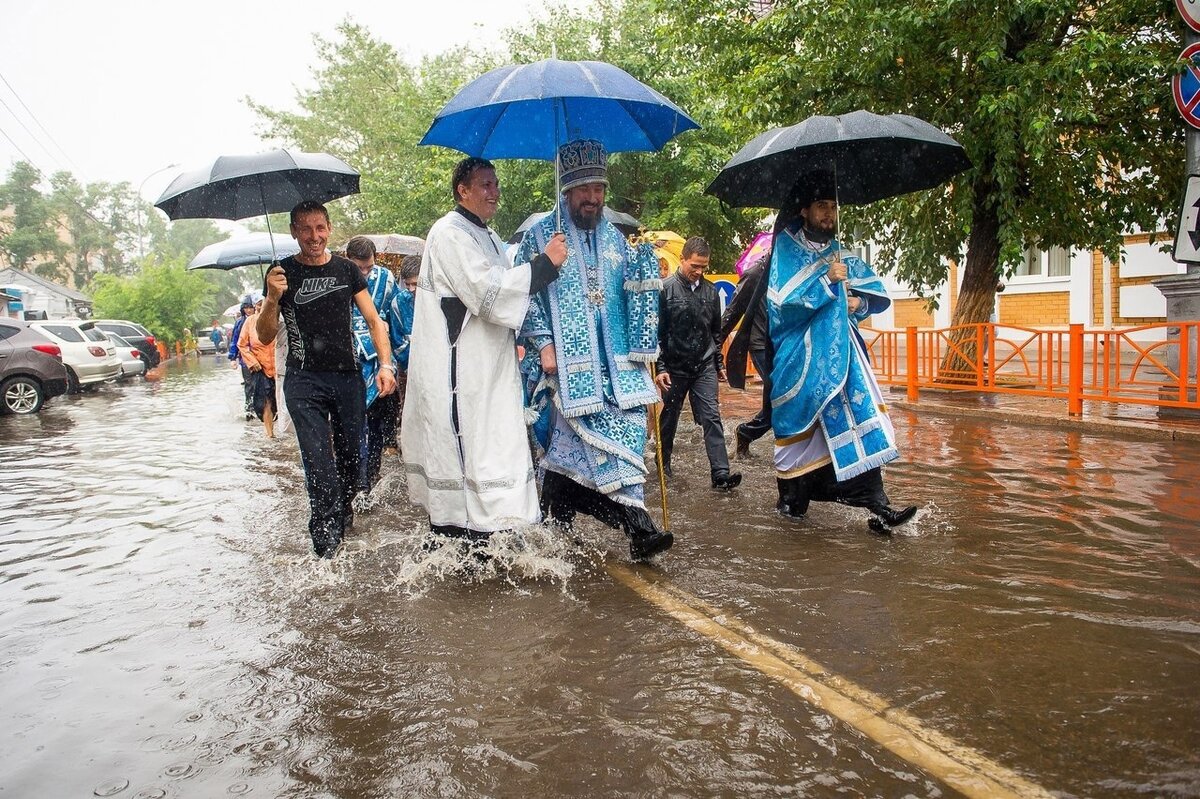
{"x":463,"y":430}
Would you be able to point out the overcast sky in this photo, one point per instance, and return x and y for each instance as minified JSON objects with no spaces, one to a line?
{"x":128,"y":87}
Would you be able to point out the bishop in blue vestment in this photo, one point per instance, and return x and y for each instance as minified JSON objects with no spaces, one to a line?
{"x":590,"y":338}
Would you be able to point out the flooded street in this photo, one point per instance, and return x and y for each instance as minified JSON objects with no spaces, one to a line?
{"x":166,"y":632}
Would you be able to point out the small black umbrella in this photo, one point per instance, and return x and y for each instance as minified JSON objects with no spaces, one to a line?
{"x":624,"y":222}
{"x":252,"y":248}
{"x":870,"y":156}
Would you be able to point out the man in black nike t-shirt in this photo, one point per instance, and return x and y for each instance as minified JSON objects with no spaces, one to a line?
{"x":312,"y":292}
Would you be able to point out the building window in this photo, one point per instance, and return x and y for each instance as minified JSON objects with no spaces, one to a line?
{"x":862,"y":251}
{"x":1055,"y":262}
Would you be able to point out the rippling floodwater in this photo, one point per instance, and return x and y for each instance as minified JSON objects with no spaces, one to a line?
{"x":165,"y":632}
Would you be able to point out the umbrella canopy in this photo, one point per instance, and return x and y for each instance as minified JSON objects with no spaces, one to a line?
{"x":397,"y":244}
{"x":754,"y":253}
{"x":240,"y":186}
{"x":871,"y":157}
{"x":668,"y":245}
{"x":625,"y":223}
{"x":252,"y":248}
{"x":528,"y":110}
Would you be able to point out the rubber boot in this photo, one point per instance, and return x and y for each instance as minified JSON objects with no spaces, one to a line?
{"x":645,"y":539}
{"x":793,"y":497}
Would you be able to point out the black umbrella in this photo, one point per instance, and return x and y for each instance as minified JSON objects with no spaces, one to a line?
{"x":240,"y":186}
{"x":624,"y":222}
{"x":871,"y":157}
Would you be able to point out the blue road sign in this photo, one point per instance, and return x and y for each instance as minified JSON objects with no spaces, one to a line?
{"x":1186,"y":85}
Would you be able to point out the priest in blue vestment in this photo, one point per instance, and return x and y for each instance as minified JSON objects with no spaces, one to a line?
{"x":832,"y":431}
{"x":590,"y":338}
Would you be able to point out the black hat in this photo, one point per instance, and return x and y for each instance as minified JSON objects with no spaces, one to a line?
{"x":813,"y":187}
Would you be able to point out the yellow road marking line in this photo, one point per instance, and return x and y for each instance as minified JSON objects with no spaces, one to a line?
{"x":964,"y":769}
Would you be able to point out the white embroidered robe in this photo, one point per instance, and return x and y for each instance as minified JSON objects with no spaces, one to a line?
{"x":472,"y":468}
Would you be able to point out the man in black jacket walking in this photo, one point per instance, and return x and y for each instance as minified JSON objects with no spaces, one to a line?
{"x":690,"y":363}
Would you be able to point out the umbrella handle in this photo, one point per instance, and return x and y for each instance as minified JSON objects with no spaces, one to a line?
{"x":557,"y":175}
{"x":267,"y":216}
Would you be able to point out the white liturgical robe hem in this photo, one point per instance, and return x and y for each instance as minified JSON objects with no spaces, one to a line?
{"x":463,"y":434}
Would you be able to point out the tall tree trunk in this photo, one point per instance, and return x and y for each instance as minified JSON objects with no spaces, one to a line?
{"x":977,"y":293}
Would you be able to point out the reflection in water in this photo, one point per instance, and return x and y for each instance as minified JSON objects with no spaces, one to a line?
{"x":166,"y":632}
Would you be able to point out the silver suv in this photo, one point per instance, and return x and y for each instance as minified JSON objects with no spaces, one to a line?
{"x":31,"y":368}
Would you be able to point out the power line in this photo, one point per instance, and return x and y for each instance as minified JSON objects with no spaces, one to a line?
{"x":38,"y":122}
{"x":32,"y":135}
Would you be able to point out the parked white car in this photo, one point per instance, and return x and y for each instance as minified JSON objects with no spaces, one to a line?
{"x":89,"y":356}
{"x":132,"y":364}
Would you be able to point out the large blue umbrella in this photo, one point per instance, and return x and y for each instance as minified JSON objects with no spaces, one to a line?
{"x":528,"y":110}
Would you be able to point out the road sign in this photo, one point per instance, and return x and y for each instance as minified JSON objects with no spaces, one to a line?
{"x":1190,"y":11}
{"x":1186,"y":85}
{"x":1187,"y":238}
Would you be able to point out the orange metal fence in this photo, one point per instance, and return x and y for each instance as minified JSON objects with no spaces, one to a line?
{"x":1148,"y":365}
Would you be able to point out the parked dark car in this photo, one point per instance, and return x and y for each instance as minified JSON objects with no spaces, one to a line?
{"x":31,"y":368}
{"x":136,"y":335}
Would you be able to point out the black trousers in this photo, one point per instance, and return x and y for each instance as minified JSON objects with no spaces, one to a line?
{"x":327,"y":410}
{"x":702,"y":389}
{"x":760,"y":424}
{"x":248,"y":389}
{"x":379,"y":432}
{"x":821,"y":485}
{"x":562,"y":498}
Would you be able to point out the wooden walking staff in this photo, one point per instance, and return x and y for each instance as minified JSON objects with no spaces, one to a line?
{"x":662,"y":475}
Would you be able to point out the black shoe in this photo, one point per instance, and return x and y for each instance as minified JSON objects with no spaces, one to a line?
{"x":325,"y":550}
{"x":891,"y":517}
{"x":644,"y":547}
{"x":790,"y":511}
{"x":793,"y":497}
{"x":743,"y":446}
{"x":667,"y":470}
{"x":727,"y":482}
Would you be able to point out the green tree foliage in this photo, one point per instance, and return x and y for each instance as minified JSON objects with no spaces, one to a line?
{"x":182,"y":239}
{"x":163,"y":297}
{"x":664,"y":190}
{"x":27,"y":236}
{"x":371,"y":108}
{"x":100,"y":222}
{"x":1062,"y":105}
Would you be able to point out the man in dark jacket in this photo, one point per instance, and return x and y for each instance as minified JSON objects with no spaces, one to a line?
{"x":753,"y":320}
{"x":245,"y":310}
{"x":690,"y":362}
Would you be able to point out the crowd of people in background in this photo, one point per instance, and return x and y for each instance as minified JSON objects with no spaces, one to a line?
{"x":522,"y":384}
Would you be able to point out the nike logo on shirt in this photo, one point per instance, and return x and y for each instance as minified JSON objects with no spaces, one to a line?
{"x":314,"y":288}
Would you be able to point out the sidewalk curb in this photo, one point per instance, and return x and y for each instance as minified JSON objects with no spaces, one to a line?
{"x":1148,"y":432}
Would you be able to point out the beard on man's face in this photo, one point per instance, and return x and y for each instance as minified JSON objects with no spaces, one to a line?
{"x":587,"y":217}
